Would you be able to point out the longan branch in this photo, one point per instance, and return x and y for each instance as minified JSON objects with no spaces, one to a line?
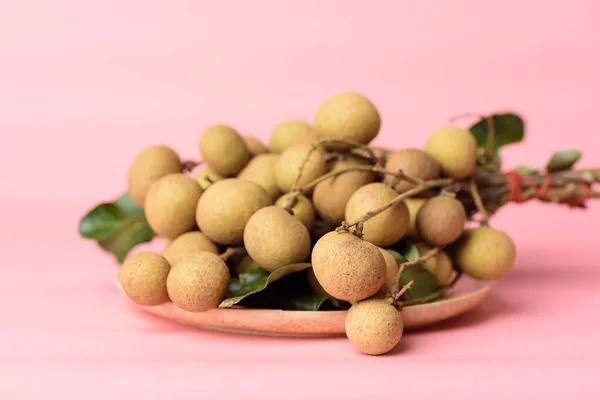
{"x":479,"y":202}
{"x":395,"y":294}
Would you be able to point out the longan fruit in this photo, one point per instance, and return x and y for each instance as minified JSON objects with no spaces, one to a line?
{"x":303,"y":208}
{"x":307,"y":138}
{"x":207,"y":177}
{"x":274,"y":238}
{"x":414,"y":163}
{"x":441,"y":220}
{"x":261,"y":170}
{"x":348,"y":268}
{"x":331,"y":196}
{"x":143,"y":277}
{"x":291,"y":160}
{"x":414,"y":205}
{"x":455,"y":150}
{"x":255,"y":145}
{"x":187,"y":244}
{"x":391,"y":268}
{"x":389,"y":226}
{"x":374,"y":326}
{"x":199,"y":283}
{"x":285,"y":134}
{"x":314,"y":284}
{"x":246,"y":264}
{"x":225,"y":208}
{"x":347,"y":116}
{"x":485,"y":253}
{"x":224,"y":150}
{"x":147,"y":167}
{"x":171,"y":205}
{"x":440,"y":265}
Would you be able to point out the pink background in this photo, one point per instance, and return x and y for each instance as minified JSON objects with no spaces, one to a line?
{"x":86,"y":84}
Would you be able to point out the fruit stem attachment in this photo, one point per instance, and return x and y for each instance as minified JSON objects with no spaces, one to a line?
{"x":478,"y":202}
{"x":189,"y":165}
{"x":233,"y":252}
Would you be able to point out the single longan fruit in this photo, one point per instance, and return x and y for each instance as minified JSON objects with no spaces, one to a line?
{"x":199,"y":283}
{"x":485,"y":253}
{"x":455,"y":150}
{"x":284,"y":135}
{"x":347,"y":116}
{"x":348,"y":268}
{"x":207,"y":177}
{"x":414,"y":205}
{"x":307,"y":138}
{"x":391,"y":268}
{"x":274,"y":238}
{"x":331,"y":196}
{"x":149,"y":166}
{"x":441,"y":220}
{"x":291,"y":160}
{"x":385,"y":228}
{"x":314,"y":284}
{"x":255,"y":145}
{"x":225,"y":208}
{"x":261,"y":170}
{"x":440,"y":265}
{"x":189,"y":243}
{"x":374,"y":326}
{"x":171,"y":205}
{"x":303,"y":208}
{"x":414,"y":163}
{"x":224,"y":150}
{"x":143,"y":277}
{"x":246,"y":264}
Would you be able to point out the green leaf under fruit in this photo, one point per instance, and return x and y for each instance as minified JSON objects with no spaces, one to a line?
{"x":563,"y":160}
{"x":255,"y":281}
{"x":508,"y":128}
{"x":307,"y":303}
{"x":424,"y":282}
{"x":411,"y":253}
{"x":526,"y":170}
{"x":126,"y":238}
{"x":397,"y":256}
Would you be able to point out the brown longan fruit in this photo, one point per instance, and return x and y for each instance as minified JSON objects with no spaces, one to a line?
{"x":207,"y":177}
{"x":348,"y":268}
{"x":455,"y":150}
{"x":171,"y":205}
{"x":224,"y":150}
{"x":261,"y":170}
{"x":485,"y":253}
{"x":291,"y":160}
{"x":441,"y":220}
{"x":391,"y":268}
{"x":187,"y":244}
{"x":285,"y":134}
{"x":308,"y":138}
{"x":303,"y":208}
{"x":347,"y":116}
{"x":440,"y":265}
{"x":414,"y":205}
{"x":255,"y":145}
{"x":274,"y":238}
{"x":331,"y":196}
{"x":198,"y":283}
{"x":314,"y":284}
{"x":374,"y":326}
{"x":225,"y":208}
{"x":143,"y":277}
{"x":246,"y":264}
{"x":415,"y":163}
{"x":149,"y":166}
{"x":389,"y":226}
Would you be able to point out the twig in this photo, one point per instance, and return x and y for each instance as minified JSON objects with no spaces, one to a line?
{"x":233,"y":252}
{"x":479,"y":202}
{"x":408,"y":264}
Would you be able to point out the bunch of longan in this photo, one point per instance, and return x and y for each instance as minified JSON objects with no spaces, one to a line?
{"x":317,"y":193}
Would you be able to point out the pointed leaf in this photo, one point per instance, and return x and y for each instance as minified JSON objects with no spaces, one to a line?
{"x":130,"y":234}
{"x":508,"y":128}
{"x":307,"y":303}
{"x":563,"y":160}
{"x":526,"y":170}
{"x":411,"y":253}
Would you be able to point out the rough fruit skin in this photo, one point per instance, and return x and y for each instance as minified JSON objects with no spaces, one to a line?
{"x":455,"y":150}
{"x":303,"y":209}
{"x":441,"y":220}
{"x":198,"y":283}
{"x":374,"y":326}
{"x":246,"y":264}
{"x":348,"y":268}
{"x":348,"y":116}
{"x":331,"y":196}
{"x":485,"y":253}
{"x":285,"y":134}
{"x":143,"y":277}
{"x":314,"y":284}
{"x":274,"y":238}
{"x":225,"y":208}
{"x":255,"y":145}
{"x":414,"y":205}
{"x":171,"y":205}
{"x":187,"y":245}
{"x":224,"y":150}
{"x":414,"y":163}
{"x":391,"y":271}
{"x":289,"y":163}
{"x":207,"y":177}
{"x":261,"y":170}
{"x":385,"y":228}
{"x":440,"y":265}
{"x":149,"y":166}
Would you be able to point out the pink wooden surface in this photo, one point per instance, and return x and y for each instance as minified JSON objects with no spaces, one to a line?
{"x":84,"y":85}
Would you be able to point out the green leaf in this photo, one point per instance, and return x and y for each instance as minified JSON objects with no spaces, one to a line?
{"x":307,"y":303}
{"x":411,"y":253}
{"x":129,"y":235}
{"x":101,"y":221}
{"x":526,"y":170}
{"x":128,"y":207}
{"x":508,"y":128}
{"x":256,"y":281}
{"x":563,"y":160}
{"x":397,"y":256}
{"x":425,"y":283}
